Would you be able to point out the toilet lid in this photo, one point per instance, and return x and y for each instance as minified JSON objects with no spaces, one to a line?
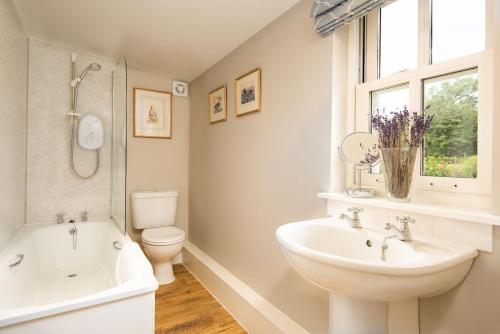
{"x":163,"y":235}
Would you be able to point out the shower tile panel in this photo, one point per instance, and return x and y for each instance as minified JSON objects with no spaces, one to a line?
{"x":13,"y":95}
{"x":51,"y":186}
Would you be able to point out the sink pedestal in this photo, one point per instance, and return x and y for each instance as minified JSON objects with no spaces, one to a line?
{"x":354,"y":316}
{"x":346,"y":262}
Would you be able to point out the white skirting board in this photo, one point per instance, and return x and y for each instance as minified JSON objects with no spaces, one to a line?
{"x":256,"y":314}
{"x":177,"y":259}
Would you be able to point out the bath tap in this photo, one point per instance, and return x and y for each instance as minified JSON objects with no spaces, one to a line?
{"x":83,"y":216}
{"x":74,"y":233}
{"x":354,"y":222}
{"x":402,"y":233}
{"x":60,"y":218}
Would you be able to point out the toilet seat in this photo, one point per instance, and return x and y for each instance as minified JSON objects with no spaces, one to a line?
{"x":159,"y":236}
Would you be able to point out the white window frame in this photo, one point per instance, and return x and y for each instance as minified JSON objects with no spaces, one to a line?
{"x":483,"y":61}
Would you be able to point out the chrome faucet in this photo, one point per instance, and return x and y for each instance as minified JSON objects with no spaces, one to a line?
{"x":385,"y":247}
{"x":60,"y":218}
{"x":403,"y":232}
{"x":73,"y":231}
{"x":354,"y":222}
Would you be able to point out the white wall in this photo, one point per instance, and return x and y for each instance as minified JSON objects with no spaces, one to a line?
{"x":51,"y":187}
{"x":158,"y":164}
{"x":13,"y":103}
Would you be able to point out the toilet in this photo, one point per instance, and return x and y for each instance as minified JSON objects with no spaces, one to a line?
{"x":154,"y":213}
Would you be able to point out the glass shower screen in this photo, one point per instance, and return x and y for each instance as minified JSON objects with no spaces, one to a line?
{"x":119,"y":147}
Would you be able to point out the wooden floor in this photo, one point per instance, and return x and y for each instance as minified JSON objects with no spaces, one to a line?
{"x":185,"y":306}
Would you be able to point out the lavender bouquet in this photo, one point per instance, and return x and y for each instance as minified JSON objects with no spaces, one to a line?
{"x":400,"y":134}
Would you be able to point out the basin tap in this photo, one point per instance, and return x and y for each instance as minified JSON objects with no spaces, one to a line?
{"x":354,"y":222}
{"x":385,"y":246}
{"x":403,"y":232}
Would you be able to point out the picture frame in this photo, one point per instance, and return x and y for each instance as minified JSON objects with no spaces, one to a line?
{"x":152,"y":114}
{"x":248,"y":92}
{"x":217,"y":105}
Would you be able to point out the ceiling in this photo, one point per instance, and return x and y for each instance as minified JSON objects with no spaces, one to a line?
{"x":178,"y":37}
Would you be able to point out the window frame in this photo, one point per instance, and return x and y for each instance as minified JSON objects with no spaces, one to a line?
{"x":483,"y":61}
{"x":378,"y":16}
{"x":370,"y":50}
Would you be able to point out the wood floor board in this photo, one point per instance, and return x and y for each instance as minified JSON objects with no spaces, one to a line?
{"x":185,"y":306}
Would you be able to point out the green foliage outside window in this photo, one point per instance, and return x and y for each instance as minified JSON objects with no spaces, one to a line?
{"x":451,"y":143}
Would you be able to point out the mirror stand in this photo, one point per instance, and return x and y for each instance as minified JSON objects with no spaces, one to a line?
{"x":359,"y":191}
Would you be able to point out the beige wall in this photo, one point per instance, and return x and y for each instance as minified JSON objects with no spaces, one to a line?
{"x":251,"y":174}
{"x":473,"y":306}
{"x":158,"y":164}
{"x":13,"y":103}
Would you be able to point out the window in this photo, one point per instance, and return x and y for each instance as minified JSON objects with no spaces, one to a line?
{"x":458,"y":28}
{"x":398,"y":37}
{"x":437,"y":65}
{"x":389,"y":99}
{"x":450,"y":147}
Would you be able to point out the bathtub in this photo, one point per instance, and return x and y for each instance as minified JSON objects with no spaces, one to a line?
{"x":93,"y":281}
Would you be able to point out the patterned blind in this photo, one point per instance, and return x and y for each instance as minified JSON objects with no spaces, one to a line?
{"x":332,"y":14}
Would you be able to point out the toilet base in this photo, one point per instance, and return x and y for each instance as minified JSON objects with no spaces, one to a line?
{"x":164,"y":272}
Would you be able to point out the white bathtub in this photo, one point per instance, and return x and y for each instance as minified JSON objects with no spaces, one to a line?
{"x":95,"y":288}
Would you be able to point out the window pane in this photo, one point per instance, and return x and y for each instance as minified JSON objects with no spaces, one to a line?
{"x":398,"y":37}
{"x":390,"y":99}
{"x":458,"y":28}
{"x":386,"y":100}
{"x":450,"y":146}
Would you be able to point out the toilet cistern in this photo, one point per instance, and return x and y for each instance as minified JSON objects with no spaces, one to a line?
{"x":154,"y":212}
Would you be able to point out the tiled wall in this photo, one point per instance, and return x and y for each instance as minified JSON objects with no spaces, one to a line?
{"x":51,"y":187}
{"x":13,"y":83}
{"x":468,"y":233}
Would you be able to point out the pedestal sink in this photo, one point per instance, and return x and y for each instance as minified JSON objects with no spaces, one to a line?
{"x":367,"y":294}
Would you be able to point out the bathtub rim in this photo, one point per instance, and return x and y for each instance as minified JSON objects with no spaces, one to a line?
{"x":143,"y":282}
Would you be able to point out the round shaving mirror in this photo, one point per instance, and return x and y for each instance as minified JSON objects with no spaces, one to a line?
{"x":360,"y":150}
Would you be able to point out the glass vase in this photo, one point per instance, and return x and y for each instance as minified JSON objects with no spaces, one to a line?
{"x":399,"y":164}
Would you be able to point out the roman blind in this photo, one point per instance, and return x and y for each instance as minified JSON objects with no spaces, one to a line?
{"x":332,"y":14}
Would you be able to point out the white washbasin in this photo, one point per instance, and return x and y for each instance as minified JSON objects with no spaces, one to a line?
{"x":334,"y":256}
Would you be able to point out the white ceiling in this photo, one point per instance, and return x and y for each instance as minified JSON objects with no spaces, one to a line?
{"x":179,"y":37}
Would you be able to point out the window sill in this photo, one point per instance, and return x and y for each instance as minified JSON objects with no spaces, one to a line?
{"x":469,"y":215}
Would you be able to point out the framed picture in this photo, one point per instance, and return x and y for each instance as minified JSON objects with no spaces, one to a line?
{"x":180,"y":88}
{"x":217,"y":111}
{"x":152,"y":113}
{"x":248,"y":93}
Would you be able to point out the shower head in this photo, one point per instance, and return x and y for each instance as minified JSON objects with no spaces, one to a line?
{"x":92,"y":67}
